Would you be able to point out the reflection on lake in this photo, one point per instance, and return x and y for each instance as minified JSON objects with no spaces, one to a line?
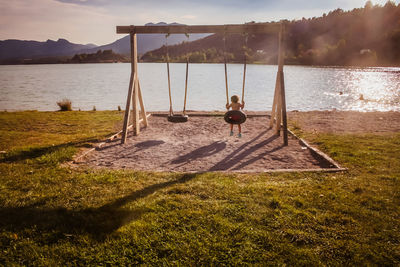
{"x":105,"y":86}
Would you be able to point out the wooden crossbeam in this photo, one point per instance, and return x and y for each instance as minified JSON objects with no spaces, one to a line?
{"x":228,"y":28}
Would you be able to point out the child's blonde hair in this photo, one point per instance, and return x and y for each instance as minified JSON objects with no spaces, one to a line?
{"x":235,"y":98}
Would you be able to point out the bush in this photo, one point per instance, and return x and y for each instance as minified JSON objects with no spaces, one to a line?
{"x":65,"y":105}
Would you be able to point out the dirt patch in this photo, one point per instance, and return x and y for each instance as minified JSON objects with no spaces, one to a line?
{"x":346,"y":122}
{"x":204,"y":144}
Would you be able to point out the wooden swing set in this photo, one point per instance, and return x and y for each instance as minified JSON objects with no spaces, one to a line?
{"x":278,"y":114}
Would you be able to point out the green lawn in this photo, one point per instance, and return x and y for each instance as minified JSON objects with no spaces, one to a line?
{"x":54,"y":215}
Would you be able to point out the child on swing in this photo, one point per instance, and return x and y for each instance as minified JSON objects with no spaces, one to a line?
{"x":235,"y":105}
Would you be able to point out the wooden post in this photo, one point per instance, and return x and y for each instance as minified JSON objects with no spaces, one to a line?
{"x":282,"y":108}
{"x":133,"y":93}
{"x":186,"y":85}
{"x":274,"y":103}
{"x":284,"y":116}
{"x":278,"y":110}
{"x":144,"y":116}
{"x":135,"y":96}
{"x":278,"y":113}
{"x":127,"y":111}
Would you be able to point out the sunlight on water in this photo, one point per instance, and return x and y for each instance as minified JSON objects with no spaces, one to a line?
{"x":105,"y":86}
{"x":373,"y":89}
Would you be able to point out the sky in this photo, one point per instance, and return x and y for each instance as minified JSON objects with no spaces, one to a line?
{"x":94,"y":21}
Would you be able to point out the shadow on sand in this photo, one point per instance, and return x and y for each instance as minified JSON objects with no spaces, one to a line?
{"x":244,"y":151}
{"x":140,"y":146}
{"x":201,"y":152}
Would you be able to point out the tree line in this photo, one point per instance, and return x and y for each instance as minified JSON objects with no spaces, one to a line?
{"x":368,"y":36}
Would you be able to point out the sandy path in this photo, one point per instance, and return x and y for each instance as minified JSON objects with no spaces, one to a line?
{"x":347,"y":121}
{"x":204,"y":144}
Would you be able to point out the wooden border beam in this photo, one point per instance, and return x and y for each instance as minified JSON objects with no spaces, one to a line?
{"x":228,"y":28}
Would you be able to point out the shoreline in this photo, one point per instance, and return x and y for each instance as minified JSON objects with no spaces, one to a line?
{"x":335,"y":122}
{"x":214,"y":112}
{"x":236,"y":63}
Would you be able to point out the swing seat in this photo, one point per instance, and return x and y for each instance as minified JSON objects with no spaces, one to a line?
{"x":235,"y":117}
{"x":178,"y":118}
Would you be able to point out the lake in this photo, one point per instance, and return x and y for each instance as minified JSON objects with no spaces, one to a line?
{"x":105,"y":86}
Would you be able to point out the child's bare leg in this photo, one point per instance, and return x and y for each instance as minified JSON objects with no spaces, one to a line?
{"x":231,"y":129}
{"x":240,"y":128}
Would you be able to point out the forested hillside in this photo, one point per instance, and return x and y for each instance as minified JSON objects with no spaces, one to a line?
{"x":368,"y":36}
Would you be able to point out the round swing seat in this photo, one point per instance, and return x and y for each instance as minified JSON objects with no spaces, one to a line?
{"x":235,"y":117}
{"x":178,"y":118}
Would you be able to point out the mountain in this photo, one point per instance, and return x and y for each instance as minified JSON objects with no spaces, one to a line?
{"x":18,"y":49}
{"x":147,"y":42}
{"x":12,"y":49}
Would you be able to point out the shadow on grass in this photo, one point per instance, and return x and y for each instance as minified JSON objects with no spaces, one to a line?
{"x":33,"y":153}
{"x":63,"y":223}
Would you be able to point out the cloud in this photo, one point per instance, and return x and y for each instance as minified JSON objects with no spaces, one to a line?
{"x":225,"y":4}
{"x":84,"y":2}
{"x":47,"y":19}
{"x":188,"y":17}
{"x":84,"y":21}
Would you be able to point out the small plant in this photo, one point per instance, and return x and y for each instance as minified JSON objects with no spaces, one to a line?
{"x":65,"y":105}
{"x":119,"y":108}
{"x":94,"y":108}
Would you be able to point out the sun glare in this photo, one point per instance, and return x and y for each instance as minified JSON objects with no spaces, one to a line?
{"x":373,"y":89}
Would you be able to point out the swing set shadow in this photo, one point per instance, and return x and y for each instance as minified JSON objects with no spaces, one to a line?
{"x":234,"y":158}
{"x":97,"y":222}
{"x":235,"y":161}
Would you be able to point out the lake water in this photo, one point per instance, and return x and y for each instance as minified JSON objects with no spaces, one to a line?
{"x":39,"y":87}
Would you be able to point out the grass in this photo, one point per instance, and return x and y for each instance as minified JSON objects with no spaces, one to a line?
{"x":54,"y":215}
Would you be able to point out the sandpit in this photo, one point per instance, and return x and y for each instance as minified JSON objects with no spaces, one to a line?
{"x":204,"y":144}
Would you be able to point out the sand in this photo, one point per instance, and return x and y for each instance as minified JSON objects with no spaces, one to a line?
{"x":347,"y":122}
{"x":204,"y":144}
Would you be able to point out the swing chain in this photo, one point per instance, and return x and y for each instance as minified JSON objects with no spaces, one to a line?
{"x":226,"y":70}
{"x":246,"y":36}
{"x":166,"y":46}
{"x":187,"y":72}
{"x":171,"y":112}
{"x":245,"y":41}
{"x":224,"y":39}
